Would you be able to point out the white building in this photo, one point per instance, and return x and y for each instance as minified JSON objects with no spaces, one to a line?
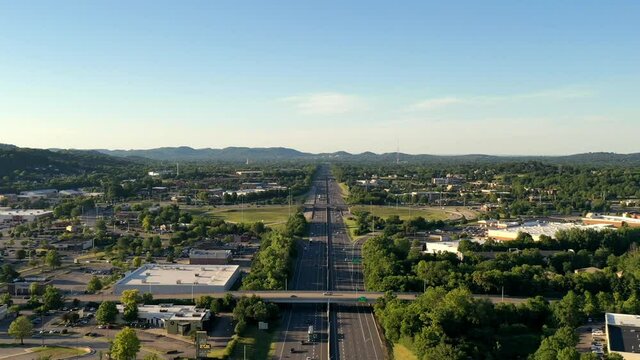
{"x":622,"y":335}
{"x":179,"y":279}
{"x":536,"y":229}
{"x":23,"y":215}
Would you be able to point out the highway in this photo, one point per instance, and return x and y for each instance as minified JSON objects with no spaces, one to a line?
{"x":310,"y":273}
{"x":357,"y":335}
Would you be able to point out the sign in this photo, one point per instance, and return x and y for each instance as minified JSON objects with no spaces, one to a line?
{"x":263,"y":326}
{"x":202,"y":348}
{"x":356,"y":260}
{"x":362,"y":299}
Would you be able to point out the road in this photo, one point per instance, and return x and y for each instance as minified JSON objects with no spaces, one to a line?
{"x":310,"y":273}
{"x":357,"y":335}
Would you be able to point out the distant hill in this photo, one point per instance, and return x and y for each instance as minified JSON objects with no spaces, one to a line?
{"x":28,"y":160}
{"x":241,"y":154}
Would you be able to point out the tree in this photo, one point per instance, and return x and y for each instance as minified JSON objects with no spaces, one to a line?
{"x":152,"y":357}
{"x":94,"y":284}
{"x":35,"y":289}
{"x":126,"y":345}
{"x":52,"y":298}
{"x":568,"y":310}
{"x":137,"y":261}
{"x":106,"y":313}
{"x":52,"y":259}
{"x":20,"y":328}
{"x":21,"y":254}
{"x":6,"y":299}
{"x":130,"y":300}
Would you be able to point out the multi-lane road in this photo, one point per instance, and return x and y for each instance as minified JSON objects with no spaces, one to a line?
{"x":326,"y":262}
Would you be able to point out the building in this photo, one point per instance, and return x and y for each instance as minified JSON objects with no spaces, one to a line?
{"x":176,"y":319}
{"x":23,"y":287}
{"x":627,"y":219}
{"x":622,"y":335}
{"x":249,"y":173}
{"x":4,"y":310}
{"x":179,"y":279}
{"x":209,"y":257}
{"x":535,"y":229}
{"x":23,"y":215}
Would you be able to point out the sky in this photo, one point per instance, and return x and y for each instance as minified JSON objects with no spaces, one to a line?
{"x":541,"y":77}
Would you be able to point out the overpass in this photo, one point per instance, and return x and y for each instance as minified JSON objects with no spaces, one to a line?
{"x":293,"y":297}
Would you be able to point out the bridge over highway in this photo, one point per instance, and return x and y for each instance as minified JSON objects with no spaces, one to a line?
{"x":294,"y":297}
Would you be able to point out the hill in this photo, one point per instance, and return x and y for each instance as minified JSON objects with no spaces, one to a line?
{"x":15,"y":159}
{"x":241,"y":154}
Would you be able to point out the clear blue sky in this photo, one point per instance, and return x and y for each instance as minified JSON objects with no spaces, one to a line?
{"x":445,"y":77}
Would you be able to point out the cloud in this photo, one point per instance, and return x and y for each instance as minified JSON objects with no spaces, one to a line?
{"x":327,"y":103}
{"x":552,"y":94}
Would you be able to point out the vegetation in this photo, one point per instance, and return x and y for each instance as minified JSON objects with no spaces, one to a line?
{"x":125,"y":346}
{"x":20,"y":328}
{"x":106,"y":313}
{"x":130,"y":300}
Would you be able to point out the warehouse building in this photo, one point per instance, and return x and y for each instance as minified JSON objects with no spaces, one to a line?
{"x":179,"y":279}
{"x":627,"y":219}
{"x":209,"y":257}
{"x":536,"y":230}
{"x":622,"y":335}
{"x":176,"y":319}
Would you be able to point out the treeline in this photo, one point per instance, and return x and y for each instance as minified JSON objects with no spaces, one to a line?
{"x":453,"y":325}
{"x":273,"y":262}
{"x":366,"y":221}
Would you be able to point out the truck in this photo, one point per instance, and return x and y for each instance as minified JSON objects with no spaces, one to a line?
{"x":311,"y":334}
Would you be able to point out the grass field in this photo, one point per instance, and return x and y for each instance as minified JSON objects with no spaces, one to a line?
{"x":345,"y":189}
{"x":259,"y":345}
{"x":59,"y":352}
{"x":400,"y":352}
{"x":272,"y":214}
{"x":404,"y":212}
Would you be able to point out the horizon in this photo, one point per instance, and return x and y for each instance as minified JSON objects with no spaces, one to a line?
{"x":457,"y":78}
{"x":327,"y":152}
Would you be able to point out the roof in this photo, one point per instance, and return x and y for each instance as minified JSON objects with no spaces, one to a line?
{"x":170,"y":312}
{"x":623,"y":332}
{"x":175,"y":274}
{"x":209,"y":254}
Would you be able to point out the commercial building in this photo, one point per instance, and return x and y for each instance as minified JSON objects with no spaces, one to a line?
{"x":209,"y":257}
{"x":627,"y":219}
{"x":176,"y":319}
{"x":536,"y":230}
{"x":23,"y":215}
{"x":179,"y":279}
{"x":622,"y":335}
{"x":23,"y":287}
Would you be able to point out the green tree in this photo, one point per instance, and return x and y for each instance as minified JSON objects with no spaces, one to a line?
{"x":53,"y":259}
{"x":94,"y":284}
{"x":152,"y":357}
{"x":21,"y":254}
{"x":568,"y":310}
{"x":5,"y":299}
{"x":52,"y":298}
{"x":126,"y":345}
{"x":106,"y":313}
{"x":20,"y":328}
{"x":35,"y":289}
{"x":137,"y":261}
{"x":130,"y":300}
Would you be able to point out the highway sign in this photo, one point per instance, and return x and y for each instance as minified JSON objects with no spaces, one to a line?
{"x":356,"y":260}
{"x":362,"y":299}
{"x":205,"y":346}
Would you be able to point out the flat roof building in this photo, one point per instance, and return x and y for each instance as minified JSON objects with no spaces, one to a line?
{"x":630,"y":219}
{"x":209,"y":257}
{"x":177,"y":319}
{"x":179,"y":279}
{"x":24,"y":215}
{"x":536,"y":229}
{"x":622,"y":335}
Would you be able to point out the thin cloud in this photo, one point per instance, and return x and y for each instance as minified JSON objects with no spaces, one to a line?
{"x":327,"y":103}
{"x":553,"y":94}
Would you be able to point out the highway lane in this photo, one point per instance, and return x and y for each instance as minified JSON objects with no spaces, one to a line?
{"x":357,"y":335}
{"x":310,"y":273}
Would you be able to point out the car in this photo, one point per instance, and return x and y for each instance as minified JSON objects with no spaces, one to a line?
{"x":292,"y":350}
{"x":327,"y":293}
{"x":293,"y":296}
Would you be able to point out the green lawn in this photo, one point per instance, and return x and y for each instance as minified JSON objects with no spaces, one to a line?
{"x":345,"y":189}
{"x":404,"y":212}
{"x":59,"y":352}
{"x":259,"y":344}
{"x":401,"y":352}
{"x":269,"y":214}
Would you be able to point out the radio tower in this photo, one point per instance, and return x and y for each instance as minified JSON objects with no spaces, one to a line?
{"x":397,"y":151}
